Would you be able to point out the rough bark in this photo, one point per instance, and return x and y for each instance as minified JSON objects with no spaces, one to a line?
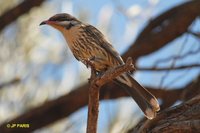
{"x":164,"y":29}
{"x":64,"y":106}
{"x":96,"y":83}
{"x":14,"y":13}
{"x":184,"y":118}
{"x":148,"y":42}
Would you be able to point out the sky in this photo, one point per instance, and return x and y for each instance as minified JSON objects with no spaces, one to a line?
{"x":122,"y":29}
{"x":104,"y":14}
{"x":50,"y":70}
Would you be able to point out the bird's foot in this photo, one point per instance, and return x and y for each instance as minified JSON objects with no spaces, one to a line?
{"x":130,"y":62}
{"x":89,"y":63}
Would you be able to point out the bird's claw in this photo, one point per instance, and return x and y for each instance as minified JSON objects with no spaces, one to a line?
{"x":89,"y":62}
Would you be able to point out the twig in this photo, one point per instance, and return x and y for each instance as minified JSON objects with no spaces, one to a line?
{"x":168,"y":68}
{"x":196,"y":34}
{"x":96,"y":83}
{"x":174,"y":60}
{"x":149,"y":41}
{"x":13,"y":81}
{"x":46,"y":112}
{"x":179,"y":57}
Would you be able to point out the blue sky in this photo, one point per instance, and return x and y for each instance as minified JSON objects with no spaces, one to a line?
{"x":51,"y":70}
{"x":119,"y":24}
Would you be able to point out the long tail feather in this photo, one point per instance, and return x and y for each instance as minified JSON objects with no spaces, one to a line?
{"x":145,"y":100}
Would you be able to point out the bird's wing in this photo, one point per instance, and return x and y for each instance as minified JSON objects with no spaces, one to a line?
{"x":103,"y":42}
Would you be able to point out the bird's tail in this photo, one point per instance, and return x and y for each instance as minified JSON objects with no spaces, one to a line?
{"x":145,"y":100}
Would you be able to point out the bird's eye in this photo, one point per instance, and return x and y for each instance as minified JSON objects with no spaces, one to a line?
{"x":68,"y":26}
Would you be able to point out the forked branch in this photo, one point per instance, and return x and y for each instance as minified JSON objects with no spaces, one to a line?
{"x":96,"y":83}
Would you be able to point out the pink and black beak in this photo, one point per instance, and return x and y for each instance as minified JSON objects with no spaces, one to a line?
{"x":43,"y":23}
{"x":47,"y":22}
{"x":54,"y":24}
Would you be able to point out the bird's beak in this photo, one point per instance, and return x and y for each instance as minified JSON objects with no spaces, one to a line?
{"x":43,"y":22}
{"x":47,"y":22}
{"x":51,"y":23}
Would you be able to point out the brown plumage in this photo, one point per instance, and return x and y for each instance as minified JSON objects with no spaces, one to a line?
{"x":88,"y":43}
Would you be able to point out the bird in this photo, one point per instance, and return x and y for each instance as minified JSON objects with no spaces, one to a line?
{"x":87,"y":43}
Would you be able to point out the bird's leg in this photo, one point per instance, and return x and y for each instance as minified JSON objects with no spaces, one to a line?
{"x":93,"y":75}
{"x":89,"y":63}
{"x":130,"y":61}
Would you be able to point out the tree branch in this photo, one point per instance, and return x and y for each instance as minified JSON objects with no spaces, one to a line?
{"x":69,"y":103}
{"x":168,"y":68}
{"x":182,"y":118}
{"x":66,"y":105}
{"x":11,"y":15}
{"x":176,"y":57}
{"x":93,"y":108}
{"x":13,"y":81}
{"x":164,"y":29}
{"x":96,"y":84}
{"x":196,"y":34}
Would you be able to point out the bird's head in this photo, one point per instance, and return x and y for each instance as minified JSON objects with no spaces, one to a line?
{"x":62,"y":21}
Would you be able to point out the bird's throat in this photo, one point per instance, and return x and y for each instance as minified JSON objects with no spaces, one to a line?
{"x":71,"y":35}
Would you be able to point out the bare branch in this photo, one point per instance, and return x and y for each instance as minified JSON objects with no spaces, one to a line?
{"x":182,"y":118}
{"x":93,"y":108}
{"x":176,"y":57}
{"x":196,"y":34}
{"x":69,"y":103}
{"x":163,"y":29}
{"x":11,"y":15}
{"x":96,"y":83}
{"x":13,"y":81}
{"x":113,"y":73}
{"x":168,"y":68}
